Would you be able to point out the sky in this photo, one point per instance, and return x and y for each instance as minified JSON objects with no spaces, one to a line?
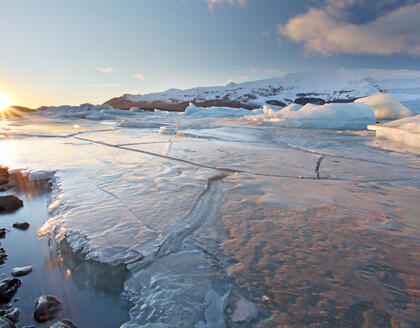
{"x":72,"y":52}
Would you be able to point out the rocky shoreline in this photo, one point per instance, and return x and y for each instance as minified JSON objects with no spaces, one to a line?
{"x":17,"y":282}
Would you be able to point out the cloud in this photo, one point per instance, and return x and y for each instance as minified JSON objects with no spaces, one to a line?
{"x":105,"y":69}
{"x":391,"y":28}
{"x":266,"y":34}
{"x":212,"y":3}
{"x":140,"y":76}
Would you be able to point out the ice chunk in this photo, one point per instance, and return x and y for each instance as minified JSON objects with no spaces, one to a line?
{"x":167,"y":130}
{"x":385,"y":106}
{"x":329,"y":116}
{"x":405,"y":130}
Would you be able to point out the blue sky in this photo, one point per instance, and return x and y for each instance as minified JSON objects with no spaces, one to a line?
{"x":71,"y":52}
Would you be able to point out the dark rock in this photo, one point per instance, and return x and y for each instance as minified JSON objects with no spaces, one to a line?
{"x":6,"y":323}
{"x":21,"y":225}
{"x":309,"y":100}
{"x":4,"y":176}
{"x":5,"y":187}
{"x":22,"y":271}
{"x":9,"y":203}
{"x":13,"y":314}
{"x":3,"y":255}
{"x":63,"y":324}
{"x":8,"y":288}
{"x":276,"y":103}
{"x":46,"y":308}
{"x":3,"y":232}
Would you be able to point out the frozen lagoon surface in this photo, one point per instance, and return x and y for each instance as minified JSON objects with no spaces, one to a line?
{"x":223,"y":223}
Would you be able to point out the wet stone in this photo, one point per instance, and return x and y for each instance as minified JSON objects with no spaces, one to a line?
{"x":3,"y":255}
{"x":21,"y":225}
{"x":21,"y":271}
{"x":3,"y":232}
{"x":5,"y":187}
{"x":8,"y":288}
{"x":9,"y":203}
{"x":63,"y":324}
{"x":13,"y":315}
{"x":46,"y":308}
{"x":6,"y":323}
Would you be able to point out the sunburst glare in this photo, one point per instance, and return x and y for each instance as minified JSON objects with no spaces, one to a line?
{"x":5,"y":101}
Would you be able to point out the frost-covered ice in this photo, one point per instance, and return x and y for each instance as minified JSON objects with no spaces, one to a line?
{"x":405,"y":130}
{"x":225,"y":224}
{"x":385,"y":106}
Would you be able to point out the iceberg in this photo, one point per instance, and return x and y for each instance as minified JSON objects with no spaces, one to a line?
{"x":349,"y":116}
{"x":385,"y":106}
{"x":405,"y":130}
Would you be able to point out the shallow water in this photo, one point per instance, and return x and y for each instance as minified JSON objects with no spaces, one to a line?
{"x":90,"y":292}
{"x":224,"y":212}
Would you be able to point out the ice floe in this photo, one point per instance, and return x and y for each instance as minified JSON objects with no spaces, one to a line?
{"x":385,"y":106}
{"x":405,"y":130}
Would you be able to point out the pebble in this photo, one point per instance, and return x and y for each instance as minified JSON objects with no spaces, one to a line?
{"x":46,"y":308}
{"x":21,"y":225}
{"x":21,"y":271}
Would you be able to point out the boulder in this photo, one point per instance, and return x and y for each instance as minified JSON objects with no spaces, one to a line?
{"x":21,"y":271}
{"x":46,"y":308}
{"x":10,"y":203}
{"x":8,"y":288}
{"x":21,"y":225}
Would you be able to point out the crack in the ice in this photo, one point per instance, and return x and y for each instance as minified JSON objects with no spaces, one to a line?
{"x":318,"y":165}
{"x":127,"y":207}
{"x":175,"y":240}
{"x":230,"y":171}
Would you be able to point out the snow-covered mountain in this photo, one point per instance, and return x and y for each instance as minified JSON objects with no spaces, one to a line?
{"x":333,"y":85}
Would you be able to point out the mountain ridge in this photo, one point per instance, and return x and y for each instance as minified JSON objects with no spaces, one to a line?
{"x":319,"y":87}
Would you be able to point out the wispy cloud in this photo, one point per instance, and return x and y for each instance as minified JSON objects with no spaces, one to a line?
{"x":140,"y":76}
{"x":105,"y":69}
{"x":392,"y":27}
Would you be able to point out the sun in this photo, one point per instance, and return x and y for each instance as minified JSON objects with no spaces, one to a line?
{"x":5,"y":101}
